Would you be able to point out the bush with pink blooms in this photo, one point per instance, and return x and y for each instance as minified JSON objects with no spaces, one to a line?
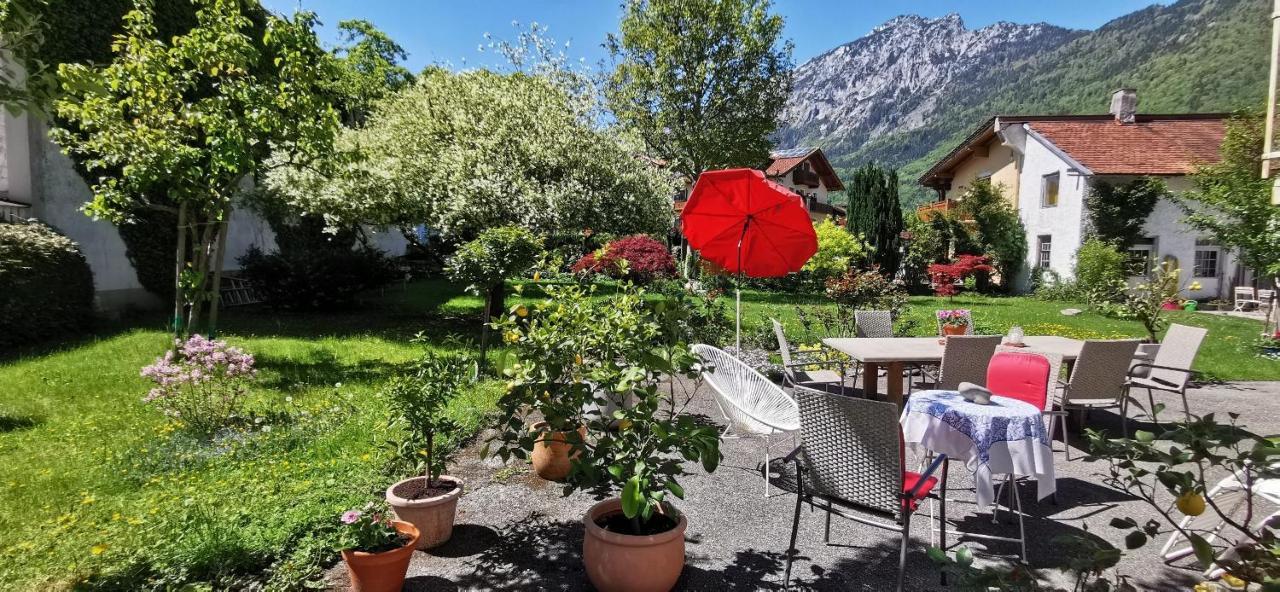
{"x":201,"y":384}
{"x":369,"y":530}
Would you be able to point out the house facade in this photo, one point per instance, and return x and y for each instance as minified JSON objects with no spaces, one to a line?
{"x":808,"y":173}
{"x":38,"y":181}
{"x":1046,"y":166}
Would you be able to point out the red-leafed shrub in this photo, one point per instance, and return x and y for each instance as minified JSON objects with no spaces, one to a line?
{"x":646,"y":260}
{"x":945,"y":275}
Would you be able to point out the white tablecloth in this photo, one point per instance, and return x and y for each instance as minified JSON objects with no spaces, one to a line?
{"x":1006,"y":437}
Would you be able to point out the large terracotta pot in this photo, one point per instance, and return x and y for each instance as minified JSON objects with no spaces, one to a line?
{"x":953,"y":329}
{"x":432,"y":516}
{"x":618,"y":562}
{"x":381,"y":572}
{"x":551,"y":452}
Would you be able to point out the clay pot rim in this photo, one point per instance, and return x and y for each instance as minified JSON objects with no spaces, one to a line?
{"x":629,"y":540}
{"x":544,"y":427}
{"x":426,"y":502}
{"x":389,"y":555}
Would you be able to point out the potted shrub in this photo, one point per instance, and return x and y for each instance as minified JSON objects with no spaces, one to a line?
{"x":954,"y":322}
{"x":376,"y":549}
{"x":563,"y":348}
{"x":429,"y":501}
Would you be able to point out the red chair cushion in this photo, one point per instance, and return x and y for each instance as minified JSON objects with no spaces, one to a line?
{"x":909,"y":480}
{"x":1020,"y":376}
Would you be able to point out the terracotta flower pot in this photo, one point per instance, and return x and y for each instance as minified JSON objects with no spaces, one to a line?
{"x":617,"y":562}
{"x":953,"y":329}
{"x":432,"y":516}
{"x":551,"y":452}
{"x":381,"y":572}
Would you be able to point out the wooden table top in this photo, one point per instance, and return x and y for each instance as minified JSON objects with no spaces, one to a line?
{"x":880,"y":350}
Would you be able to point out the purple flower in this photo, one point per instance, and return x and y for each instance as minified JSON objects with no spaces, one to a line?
{"x":350,"y":516}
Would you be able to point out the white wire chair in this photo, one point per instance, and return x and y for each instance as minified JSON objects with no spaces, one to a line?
{"x":1237,"y":501}
{"x":752,"y":405}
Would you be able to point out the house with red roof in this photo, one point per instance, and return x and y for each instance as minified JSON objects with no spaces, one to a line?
{"x":1046,"y":165}
{"x":808,"y":173}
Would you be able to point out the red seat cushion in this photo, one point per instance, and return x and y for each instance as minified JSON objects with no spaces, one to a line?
{"x":1020,"y":376}
{"x":909,"y":480}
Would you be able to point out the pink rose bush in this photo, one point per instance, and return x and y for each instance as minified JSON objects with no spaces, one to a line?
{"x":201,"y":384}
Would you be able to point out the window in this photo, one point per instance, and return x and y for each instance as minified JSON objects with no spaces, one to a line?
{"x":1140,"y":256}
{"x":1049,"y":191}
{"x":1044,"y":248}
{"x":1206,"y":261}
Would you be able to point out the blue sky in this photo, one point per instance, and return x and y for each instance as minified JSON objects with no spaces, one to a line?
{"x":449,"y":32}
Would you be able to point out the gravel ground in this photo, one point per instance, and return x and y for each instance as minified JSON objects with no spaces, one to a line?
{"x":517,"y":532}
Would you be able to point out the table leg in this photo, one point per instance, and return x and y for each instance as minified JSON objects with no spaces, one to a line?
{"x":870,"y":379}
{"x":895,"y":383}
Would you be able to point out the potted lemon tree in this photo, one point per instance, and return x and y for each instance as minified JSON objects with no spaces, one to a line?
{"x":419,"y":399}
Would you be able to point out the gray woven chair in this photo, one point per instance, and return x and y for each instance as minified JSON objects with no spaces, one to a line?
{"x":873,"y":323}
{"x":1170,"y":370}
{"x":1098,"y":381}
{"x":813,"y":373}
{"x":752,"y":405}
{"x":965,"y":359}
{"x":852,"y":459}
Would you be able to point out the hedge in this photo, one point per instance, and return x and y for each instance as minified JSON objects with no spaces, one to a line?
{"x":46,"y":287}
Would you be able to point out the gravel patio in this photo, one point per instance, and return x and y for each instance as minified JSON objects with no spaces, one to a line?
{"x":517,"y":532}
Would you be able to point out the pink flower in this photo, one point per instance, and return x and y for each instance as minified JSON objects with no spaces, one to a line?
{"x":350,"y":516}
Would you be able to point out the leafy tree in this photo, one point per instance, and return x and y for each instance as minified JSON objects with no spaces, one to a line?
{"x":368,"y":69}
{"x":465,"y":152}
{"x":997,"y":229}
{"x":1232,"y":202}
{"x":484,"y":263}
{"x":702,"y":81}
{"x":194,"y":115}
{"x":874,"y":212}
{"x":1100,"y":272}
{"x":838,"y":250}
{"x":1117,"y":212}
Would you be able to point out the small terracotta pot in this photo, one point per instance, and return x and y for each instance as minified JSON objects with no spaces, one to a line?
{"x":381,"y":572}
{"x":953,"y":330}
{"x":432,"y":516}
{"x":551,"y":452}
{"x":617,"y":562}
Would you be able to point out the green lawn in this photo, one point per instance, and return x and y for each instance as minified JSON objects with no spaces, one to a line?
{"x":98,"y":493}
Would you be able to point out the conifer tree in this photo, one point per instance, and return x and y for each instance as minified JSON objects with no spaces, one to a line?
{"x":876,"y":215}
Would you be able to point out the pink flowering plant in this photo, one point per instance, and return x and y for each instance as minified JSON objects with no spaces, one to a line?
{"x":369,"y":530}
{"x":954,"y":318}
{"x":201,"y":383}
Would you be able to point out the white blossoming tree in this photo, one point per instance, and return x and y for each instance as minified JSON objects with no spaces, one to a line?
{"x":463,"y":152}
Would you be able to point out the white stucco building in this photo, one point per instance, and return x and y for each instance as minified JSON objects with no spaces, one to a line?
{"x":38,"y":181}
{"x":1047,"y":164}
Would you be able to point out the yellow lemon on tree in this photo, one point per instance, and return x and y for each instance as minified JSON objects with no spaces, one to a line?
{"x":1191,"y":503}
{"x":1233,"y":581}
{"x":521,"y":311}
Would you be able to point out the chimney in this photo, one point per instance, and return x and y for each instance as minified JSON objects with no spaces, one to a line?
{"x":1124,"y":105}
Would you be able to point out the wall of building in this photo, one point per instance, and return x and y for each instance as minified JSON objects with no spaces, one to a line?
{"x":1175,"y":239}
{"x":1062,"y":223}
{"x":1000,"y":165}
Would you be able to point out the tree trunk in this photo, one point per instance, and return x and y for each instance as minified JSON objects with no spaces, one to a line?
{"x":493,"y":304}
{"x":220,"y":253}
{"x":179,"y":299}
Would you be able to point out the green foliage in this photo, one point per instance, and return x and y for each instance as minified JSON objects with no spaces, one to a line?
{"x":1116,"y":212}
{"x":1047,"y":284}
{"x":997,"y":228}
{"x":330,"y":277}
{"x":463,"y":152}
{"x":420,"y":403}
{"x":1145,"y":303}
{"x":866,"y":290}
{"x":369,"y":530}
{"x":46,"y":287}
{"x":874,"y":213}
{"x":928,"y":245}
{"x":838,"y":250}
{"x":700,"y":101}
{"x":1100,"y":271}
{"x":495,"y":255}
{"x":1232,"y":202}
{"x":368,"y":69}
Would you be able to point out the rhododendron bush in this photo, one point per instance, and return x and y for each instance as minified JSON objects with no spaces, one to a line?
{"x":646,"y":260}
{"x":200,"y":384}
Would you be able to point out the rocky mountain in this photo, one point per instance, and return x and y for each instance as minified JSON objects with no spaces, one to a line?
{"x":909,"y":90}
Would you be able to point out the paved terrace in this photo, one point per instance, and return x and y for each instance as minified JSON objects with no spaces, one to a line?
{"x":517,"y":532}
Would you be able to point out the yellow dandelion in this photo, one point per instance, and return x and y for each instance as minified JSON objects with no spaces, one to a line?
{"x":98,"y":549}
{"x":366,"y":456}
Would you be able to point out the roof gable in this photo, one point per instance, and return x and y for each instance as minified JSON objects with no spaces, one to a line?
{"x":784,"y":161}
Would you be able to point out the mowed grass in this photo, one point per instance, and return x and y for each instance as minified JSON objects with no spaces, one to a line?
{"x":97,"y":491}
{"x":1227,"y":352}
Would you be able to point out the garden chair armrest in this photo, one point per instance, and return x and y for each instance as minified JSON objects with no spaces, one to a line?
{"x":933,"y":466}
{"x":793,"y":454}
{"x":817,"y":363}
{"x":1188,"y":372}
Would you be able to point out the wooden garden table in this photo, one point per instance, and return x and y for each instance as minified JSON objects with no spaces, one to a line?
{"x":894,"y":353}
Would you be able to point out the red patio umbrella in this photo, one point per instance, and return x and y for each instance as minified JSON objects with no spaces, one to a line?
{"x":747,"y":224}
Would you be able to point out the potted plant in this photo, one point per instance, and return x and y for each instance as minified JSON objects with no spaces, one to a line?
{"x":376,"y":549}
{"x":954,"y":322}
{"x":429,"y":501}
{"x":563,"y":347}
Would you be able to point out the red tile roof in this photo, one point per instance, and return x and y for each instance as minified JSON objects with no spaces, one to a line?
{"x":1149,"y":146}
{"x":782,"y":161}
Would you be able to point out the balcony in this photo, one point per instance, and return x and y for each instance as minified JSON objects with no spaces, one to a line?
{"x":805,"y":178}
{"x":926,"y":211}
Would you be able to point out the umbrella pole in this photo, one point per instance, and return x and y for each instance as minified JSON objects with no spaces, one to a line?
{"x":738,"y":290}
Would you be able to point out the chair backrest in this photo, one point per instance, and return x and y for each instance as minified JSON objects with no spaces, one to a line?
{"x":873,"y":323}
{"x":1099,"y":372}
{"x":1243,"y":293}
{"x":1177,"y":350}
{"x":965,"y":359}
{"x":968,"y":314}
{"x":746,"y":397}
{"x":853,"y":448}
{"x":1265,"y":296}
{"x":784,"y":348}
{"x":1023,"y":375}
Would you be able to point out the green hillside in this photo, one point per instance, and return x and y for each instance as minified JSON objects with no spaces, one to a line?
{"x":1192,"y":56}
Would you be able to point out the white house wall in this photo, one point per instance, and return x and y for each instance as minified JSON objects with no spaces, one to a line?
{"x":1175,"y":239}
{"x":1063,"y":223}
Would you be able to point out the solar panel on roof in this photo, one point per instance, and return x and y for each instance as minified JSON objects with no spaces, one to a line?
{"x":790,"y":153}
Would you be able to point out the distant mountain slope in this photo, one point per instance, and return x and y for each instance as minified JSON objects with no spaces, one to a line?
{"x":1192,"y":56}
